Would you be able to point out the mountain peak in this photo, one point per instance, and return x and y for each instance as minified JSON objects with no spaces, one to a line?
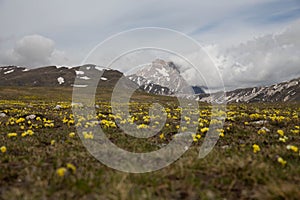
{"x":166,"y":75}
{"x":164,"y":63}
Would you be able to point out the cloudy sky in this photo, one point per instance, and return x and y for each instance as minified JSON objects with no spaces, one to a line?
{"x":253,"y":42}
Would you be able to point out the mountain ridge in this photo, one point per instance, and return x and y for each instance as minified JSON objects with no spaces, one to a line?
{"x":285,"y":92}
{"x":57,"y":76}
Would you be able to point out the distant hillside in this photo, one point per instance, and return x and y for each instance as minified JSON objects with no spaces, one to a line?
{"x":285,"y":92}
{"x":53,"y":76}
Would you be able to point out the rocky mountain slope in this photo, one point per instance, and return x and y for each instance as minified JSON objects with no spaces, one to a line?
{"x":53,"y":76}
{"x":285,"y":92}
{"x":149,"y":86}
{"x":46,"y":76}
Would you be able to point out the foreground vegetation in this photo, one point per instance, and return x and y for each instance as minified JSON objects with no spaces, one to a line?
{"x":42,"y":156}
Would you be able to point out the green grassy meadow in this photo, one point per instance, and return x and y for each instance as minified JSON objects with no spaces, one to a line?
{"x":42,"y":157}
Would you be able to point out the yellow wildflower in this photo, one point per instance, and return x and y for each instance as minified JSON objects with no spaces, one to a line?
{"x":281,"y":161}
{"x":280,"y":132}
{"x":204,"y":130}
{"x":52,"y":142}
{"x":187,"y":118}
{"x":30,"y":132}
{"x":20,"y":120}
{"x":183,"y":128}
{"x":88,"y":135}
{"x":295,"y":131}
{"x":72,"y":134}
{"x":123,"y":121}
{"x":12,"y":135}
{"x":256,"y":148}
{"x":261,"y":131}
{"x":24,"y":134}
{"x":254,"y":116}
{"x":162,"y":136}
{"x":283,"y":139}
{"x":194,"y":138}
{"x":71,"y":122}
{"x":292,"y":147}
{"x":61,"y":171}
{"x":142,"y":126}
{"x":174,"y":117}
{"x":3,"y":149}
{"x":49,"y":125}
{"x":71,"y":167}
{"x":220,"y":130}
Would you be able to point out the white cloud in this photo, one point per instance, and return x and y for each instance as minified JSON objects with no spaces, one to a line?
{"x":88,"y":23}
{"x":261,"y":61}
{"x":33,"y":51}
{"x":59,"y":57}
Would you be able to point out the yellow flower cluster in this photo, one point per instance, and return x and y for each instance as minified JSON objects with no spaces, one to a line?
{"x":28,"y":132}
{"x":88,"y":135}
{"x":256,"y":148}
{"x":196,"y":137}
{"x":283,"y":139}
{"x":261,"y":131}
{"x":10,"y":135}
{"x":62,"y":171}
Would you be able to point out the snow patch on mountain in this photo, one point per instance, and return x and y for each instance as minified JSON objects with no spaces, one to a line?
{"x":9,"y":71}
{"x":61,"y":66}
{"x":79,"y":72}
{"x":84,"y":77}
{"x":163,"y":71}
{"x":79,"y":86}
{"x":60,"y":80}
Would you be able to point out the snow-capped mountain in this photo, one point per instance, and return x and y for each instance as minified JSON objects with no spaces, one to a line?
{"x":161,"y":77}
{"x":285,"y":92}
